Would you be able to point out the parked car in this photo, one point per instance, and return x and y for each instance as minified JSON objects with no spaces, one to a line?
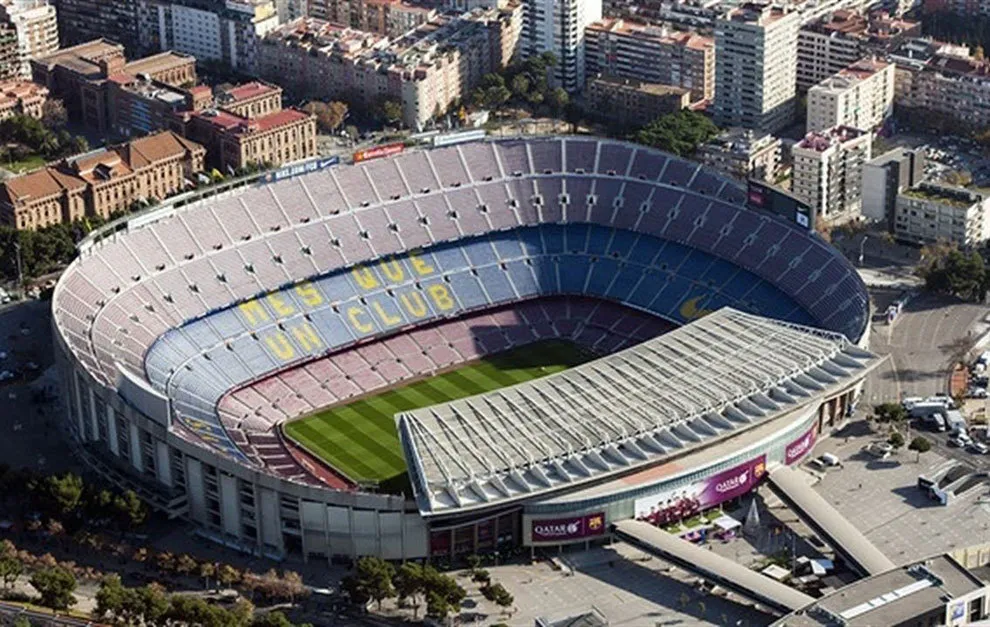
{"x":880,"y":450}
{"x":960,"y":440}
{"x":976,"y":392}
{"x":978,"y":448}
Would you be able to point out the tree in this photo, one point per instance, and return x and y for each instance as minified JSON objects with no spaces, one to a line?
{"x":500,"y":596}
{"x":271,"y":619}
{"x":55,"y":585}
{"x":329,"y":116}
{"x":408,"y":582}
{"x":207,"y":570}
{"x":154,"y":603}
{"x":520,"y":85}
{"x":53,"y":114}
{"x":11,"y":567}
{"x":919,"y":445}
{"x":374,"y":579}
{"x":679,"y":133}
{"x":947,"y":270}
{"x":129,"y":510}
{"x":890,"y":412}
{"x":443,"y":594}
{"x":558,"y":100}
{"x":352,"y":132}
{"x":109,"y":598}
{"x":62,"y":494}
{"x":185,"y":564}
{"x":227,"y":575}
{"x":390,"y":111}
{"x":896,"y":440}
{"x":165,"y":562}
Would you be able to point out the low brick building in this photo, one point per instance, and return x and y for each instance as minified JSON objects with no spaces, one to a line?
{"x":80,"y":76}
{"x":631,"y":102}
{"x":102,"y":182}
{"x":22,"y":98}
{"x":248,"y":126}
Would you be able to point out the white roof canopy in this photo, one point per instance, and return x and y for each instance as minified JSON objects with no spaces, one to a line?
{"x":727,"y":371}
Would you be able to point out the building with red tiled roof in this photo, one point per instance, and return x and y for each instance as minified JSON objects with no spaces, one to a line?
{"x":844,"y":37}
{"x":101,"y":183}
{"x":22,"y":98}
{"x":248,"y":126}
{"x":652,"y":54}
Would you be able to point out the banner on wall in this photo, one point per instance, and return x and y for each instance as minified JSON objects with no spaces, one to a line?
{"x":566,"y":529}
{"x":678,"y":503}
{"x":800,"y":447}
{"x":385,"y":150}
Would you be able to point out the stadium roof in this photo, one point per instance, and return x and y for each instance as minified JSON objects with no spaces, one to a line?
{"x":701,"y":382}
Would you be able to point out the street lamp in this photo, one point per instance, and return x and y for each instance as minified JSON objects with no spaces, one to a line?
{"x":862,"y":246}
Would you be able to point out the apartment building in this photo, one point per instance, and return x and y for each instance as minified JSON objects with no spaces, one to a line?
{"x":101,"y":183}
{"x":228,"y":31}
{"x":80,"y":21}
{"x":828,"y":172}
{"x":928,"y":213}
{"x":860,"y":96}
{"x":247,"y":125}
{"x":36,"y":26}
{"x":652,"y":54}
{"x":425,"y":71}
{"x":885,"y":177}
{"x":829,"y":45}
{"x":558,"y":26}
{"x":80,"y":76}
{"x":22,"y":98}
{"x":953,"y":88}
{"x":756,"y":67}
{"x":744,"y":154}
{"x":389,"y":17}
{"x":10,"y":56}
{"x":632,"y":103}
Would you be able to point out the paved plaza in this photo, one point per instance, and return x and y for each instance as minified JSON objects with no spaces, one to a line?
{"x":628,"y":586}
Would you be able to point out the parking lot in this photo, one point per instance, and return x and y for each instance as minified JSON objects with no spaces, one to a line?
{"x":626,"y":585}
{"x":29,"y":436}
{"x":881,"y":498}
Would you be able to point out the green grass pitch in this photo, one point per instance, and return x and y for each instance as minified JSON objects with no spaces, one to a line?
{"x":360,"y":439}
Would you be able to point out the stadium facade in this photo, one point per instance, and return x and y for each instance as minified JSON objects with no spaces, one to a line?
{"x":188,"y":335}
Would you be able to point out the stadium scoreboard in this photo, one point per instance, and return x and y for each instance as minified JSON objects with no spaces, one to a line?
{"x":765,"y":197}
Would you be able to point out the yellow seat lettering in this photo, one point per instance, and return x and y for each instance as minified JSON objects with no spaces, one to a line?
{"x":306,"y":337}
{"x":281,"y":307}
{"x":365,"y":277}
{"x":253,"y":312}
{"x":414,"y":304}
{"x":309,"y":294}
{"x":392,"y":268}
{"x":419,"y":265}
{"x":280,"y":346}
{"x":354,"y":314}
{"x":441,"y":297}
{"x":387,"y":319}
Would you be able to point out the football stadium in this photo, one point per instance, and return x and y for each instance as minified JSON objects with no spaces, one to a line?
{"x":462,"y":349}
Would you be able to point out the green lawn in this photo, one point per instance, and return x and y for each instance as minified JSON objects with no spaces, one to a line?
{"x":360,"y":439}
{"x":32,"y":162}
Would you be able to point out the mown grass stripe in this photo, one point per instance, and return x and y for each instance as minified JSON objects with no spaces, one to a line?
{"x":360,"y":438}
